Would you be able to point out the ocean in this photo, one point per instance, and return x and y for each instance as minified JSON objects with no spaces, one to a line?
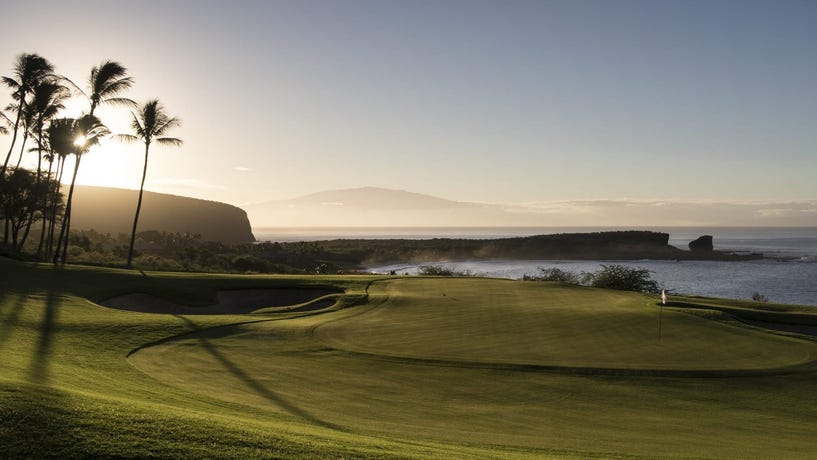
{"x":789,"y":276}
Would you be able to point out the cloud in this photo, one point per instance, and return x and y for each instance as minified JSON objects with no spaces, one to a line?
{"x":186,"y":183}
{"x":618,"y":212}
{"x":241,"y":168}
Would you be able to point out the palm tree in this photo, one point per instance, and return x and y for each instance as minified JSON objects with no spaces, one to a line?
{"x":106,"y":82}
{"x":149,"y":125}
{"x":27,"y":125}
{"x":47,"y":99}
{"x":74,"y":136}
{"x":58,"y":144}
{"x":29,"y":71}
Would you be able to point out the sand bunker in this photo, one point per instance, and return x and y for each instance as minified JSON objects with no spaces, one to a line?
{"x":232,"y":302}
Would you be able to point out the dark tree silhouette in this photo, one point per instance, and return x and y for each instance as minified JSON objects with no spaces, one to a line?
{"x":76,"y":138}
{"x":20,"y":203}
{"x":149,"y":125}
{"x":29,"y":71}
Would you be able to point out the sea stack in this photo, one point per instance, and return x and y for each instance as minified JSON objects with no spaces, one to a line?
{"x":702,"y":244}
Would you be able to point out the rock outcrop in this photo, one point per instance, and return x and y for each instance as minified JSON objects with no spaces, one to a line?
{"x":702,"y":244}
{"x":110,"y":210}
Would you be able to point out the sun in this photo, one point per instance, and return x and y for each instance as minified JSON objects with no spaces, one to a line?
{"x":108,"y":164}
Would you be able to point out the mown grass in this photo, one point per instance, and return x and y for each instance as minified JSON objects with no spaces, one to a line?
{"x":415,"y":368}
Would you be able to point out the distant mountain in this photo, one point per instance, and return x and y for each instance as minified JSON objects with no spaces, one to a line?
{"x":378,"y":207}
{"x":375,"y":207}
{"x":110,"y":210}
{"x":374,"y":198}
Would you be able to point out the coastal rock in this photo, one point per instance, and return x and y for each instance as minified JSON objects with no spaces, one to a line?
{"x":702,"y":244}
{"x":110,"y":210}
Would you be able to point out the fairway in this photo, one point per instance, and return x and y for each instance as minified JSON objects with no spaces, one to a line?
{"x":393,"y":367}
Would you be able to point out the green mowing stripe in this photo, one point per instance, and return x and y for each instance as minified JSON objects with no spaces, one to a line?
{"x":717,"y":417}
{"x":534,"y":326}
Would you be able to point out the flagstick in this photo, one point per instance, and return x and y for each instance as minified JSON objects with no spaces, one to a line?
{"x":660,"y":312}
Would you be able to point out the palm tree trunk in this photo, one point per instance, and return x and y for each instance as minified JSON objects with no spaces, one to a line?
{"x":55,"y":202}
{"x":14,"y":136}
{"x":22,"y":149}
{"x":45,"y":206}
{"x":65,"y":228}
{"x":36,"y":187}
{"x":138,"y":207}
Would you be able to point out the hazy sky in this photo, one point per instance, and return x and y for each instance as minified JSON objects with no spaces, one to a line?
{"x":502,"y":101}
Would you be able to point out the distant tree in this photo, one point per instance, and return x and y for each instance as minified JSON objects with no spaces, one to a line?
{"x":149,"y":125}
{"x":29,"y":71}
{"x":77,"y":138}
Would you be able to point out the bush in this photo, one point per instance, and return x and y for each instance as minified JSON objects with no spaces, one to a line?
{"x":554,"y":274}
{"x":248,"y":263}
{"x":439,"y":270}
{"x":624,"y":278}
{"x":434,"y":270}
{"x":758,"y":297}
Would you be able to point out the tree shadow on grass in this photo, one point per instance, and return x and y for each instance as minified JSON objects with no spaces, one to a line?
{"x":40,"y":360}
{"x":253,"y":384}
{"x":11,"y":317}
{"x":33,"y":422}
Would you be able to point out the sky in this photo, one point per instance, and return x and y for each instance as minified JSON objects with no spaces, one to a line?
{"x":485,"y":101}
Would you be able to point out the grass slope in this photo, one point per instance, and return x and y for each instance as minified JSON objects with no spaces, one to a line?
{"x":425,"y":368}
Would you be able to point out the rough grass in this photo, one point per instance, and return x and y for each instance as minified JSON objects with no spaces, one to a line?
{"x":404,"y":371}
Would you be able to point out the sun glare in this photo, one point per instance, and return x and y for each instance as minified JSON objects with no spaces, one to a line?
{"x":80,"y":141}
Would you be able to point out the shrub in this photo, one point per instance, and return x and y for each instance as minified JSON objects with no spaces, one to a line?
{"x":554,"y":274}
{"x":248,"y":263}
{"x":434,"y":270}
{"x":758,"y":297}
{"x":439,"y":270}
{"x":624,"y":278}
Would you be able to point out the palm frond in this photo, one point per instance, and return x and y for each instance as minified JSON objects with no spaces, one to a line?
{"x":137,"y":127}
{"x":129,"y":138}
{"x":62,"y":133}
{"x":121,"y":101}
{"x":172,"y":141}
{"x":11,"y":83}
{"x":73,"y":87}
{"x":107,"y":80}
{"x":167,"y":125}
